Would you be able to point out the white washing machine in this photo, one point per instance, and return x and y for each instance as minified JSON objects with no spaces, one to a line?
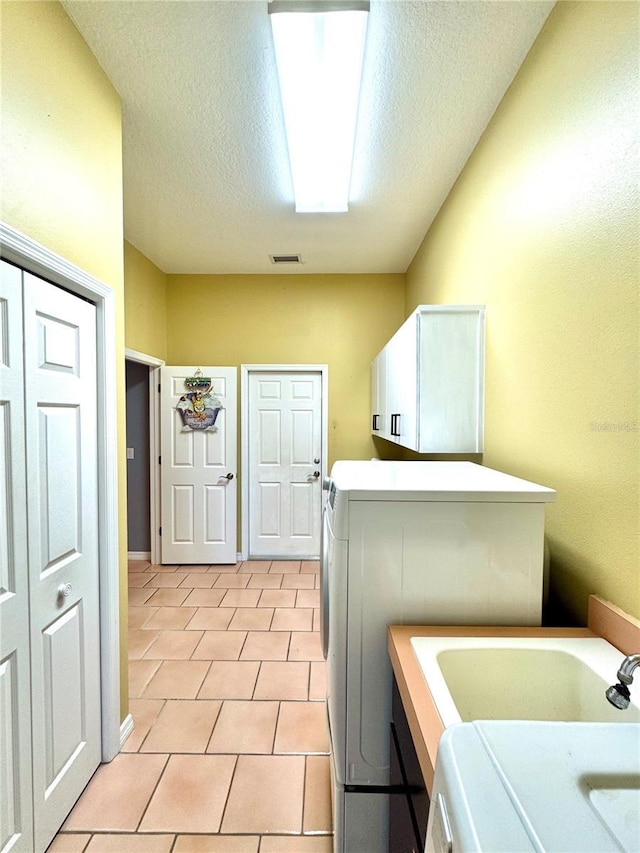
{"x":431,"y":543}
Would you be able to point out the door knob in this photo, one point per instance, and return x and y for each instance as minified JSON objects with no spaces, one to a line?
{"x":316,"y":474}
{"x":64,"y":590}
{"x":228,"y":476}
{"x":317,"y":460}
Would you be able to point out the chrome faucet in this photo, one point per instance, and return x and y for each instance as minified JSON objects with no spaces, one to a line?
{"x":618,"y":694}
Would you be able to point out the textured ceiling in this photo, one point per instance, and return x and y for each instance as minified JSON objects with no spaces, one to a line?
{"x":207,"y":187}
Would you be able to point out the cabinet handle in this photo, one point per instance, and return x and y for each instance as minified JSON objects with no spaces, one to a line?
{"x":395,"y":429}
{"x":374,"y":424}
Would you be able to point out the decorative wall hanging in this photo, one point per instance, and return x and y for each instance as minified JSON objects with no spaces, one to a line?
{"x":199,"y":408}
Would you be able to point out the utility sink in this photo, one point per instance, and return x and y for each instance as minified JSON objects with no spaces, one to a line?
{"x":522,"y":678}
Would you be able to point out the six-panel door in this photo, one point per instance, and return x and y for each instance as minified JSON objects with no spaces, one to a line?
{"x":198,"y":472}
{"x":285,"y":440}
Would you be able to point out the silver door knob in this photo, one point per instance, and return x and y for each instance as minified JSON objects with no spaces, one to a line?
{"x":316,"y":461}
{"x":316,"y":474}
{"x":64,"y":590}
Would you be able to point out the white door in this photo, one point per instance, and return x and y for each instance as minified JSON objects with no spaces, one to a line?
{"x":285,"y":464}
{"x":57,"y":560}
{"x":62,"y":517}
{"x":16,"y":820}
{"x":198,"y":472}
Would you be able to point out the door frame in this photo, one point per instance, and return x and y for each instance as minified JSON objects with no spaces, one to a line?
{"x":35,"y":258}
{"x":245,"y":371}
{"x":154,"y":364}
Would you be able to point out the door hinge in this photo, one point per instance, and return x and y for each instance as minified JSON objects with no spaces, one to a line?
{"x":160,"y":532}
{"x":158,"y":387}
{"x":159,"y":460}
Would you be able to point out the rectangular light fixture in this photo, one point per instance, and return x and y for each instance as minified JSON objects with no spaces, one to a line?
{"x":319,"y":48}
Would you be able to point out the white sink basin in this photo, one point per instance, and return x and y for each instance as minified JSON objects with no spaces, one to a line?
{"x":518,"y":678}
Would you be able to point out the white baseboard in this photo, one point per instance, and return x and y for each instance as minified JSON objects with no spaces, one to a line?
{"x":126,"y":727}
{"x":139,"y":555}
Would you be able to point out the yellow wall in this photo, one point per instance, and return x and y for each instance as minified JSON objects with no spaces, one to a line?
{"x":61,"y":173}
{"x":145,"y":303}
{"x":339,"y":320}
{"x":543,"y":227}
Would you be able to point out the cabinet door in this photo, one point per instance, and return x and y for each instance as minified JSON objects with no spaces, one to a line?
{"x":417,"y":797}
{"x":401,"y":388}
{"x":402,"y":834}
{"x":383,"y":394}
{"x":375,"y":396}
{"x":451,"y":379}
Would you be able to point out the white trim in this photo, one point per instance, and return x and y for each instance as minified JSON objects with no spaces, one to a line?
{"x":126,"y":729}
{"x":245,"y":370}
{"x":154,"y":364}
{"x":154,"y":465}
{"x":142,"y":358}
{"x":20,"y":249}
{"x":139,"y":555}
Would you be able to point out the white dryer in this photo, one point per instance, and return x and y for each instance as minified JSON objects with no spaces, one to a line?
{"x":430,"y":543}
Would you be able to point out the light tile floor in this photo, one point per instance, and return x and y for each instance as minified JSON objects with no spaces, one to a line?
{"x":229,"y":752}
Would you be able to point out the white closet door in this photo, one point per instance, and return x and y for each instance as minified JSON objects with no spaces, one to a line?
{"x":62,"y":503}
{"x":16,"y":819}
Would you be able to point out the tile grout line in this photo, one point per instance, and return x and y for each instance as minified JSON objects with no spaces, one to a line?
{"x":155,"y":788}
{"x":199,"y":690}
{"x":213,"y":728}
{"x":228,"y":794}
{"x":275,"y":730}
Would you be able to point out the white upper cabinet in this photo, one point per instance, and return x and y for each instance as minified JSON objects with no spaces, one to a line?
{"x":427,"y":384}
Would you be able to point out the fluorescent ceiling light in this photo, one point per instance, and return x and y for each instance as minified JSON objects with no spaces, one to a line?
{"x":319,"y":48}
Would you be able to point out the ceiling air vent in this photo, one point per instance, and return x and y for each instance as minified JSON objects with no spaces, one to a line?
{"x":285,"y":259}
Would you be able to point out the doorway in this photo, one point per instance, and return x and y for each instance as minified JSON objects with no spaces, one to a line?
{"x":143,"y":445}
{"x":138,"y":462}
{"x":284,"y":459}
